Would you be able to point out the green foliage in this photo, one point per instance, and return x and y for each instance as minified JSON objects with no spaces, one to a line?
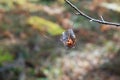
{"x":45,"y":25}
{"x":21,"y":21}
{"x":10,"y":4}
{"x":47,"y":2}
{"x":5,"y":56}
{"x":6,"y":4}
{"x":42,"y":79}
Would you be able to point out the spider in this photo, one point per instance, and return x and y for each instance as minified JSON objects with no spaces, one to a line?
{"x":68,"y":38}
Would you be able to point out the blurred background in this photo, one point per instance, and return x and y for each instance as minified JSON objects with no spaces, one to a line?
{"x":30,"y":46}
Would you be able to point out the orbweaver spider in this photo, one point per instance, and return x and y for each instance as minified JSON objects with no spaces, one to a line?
{"x":68,"y":38}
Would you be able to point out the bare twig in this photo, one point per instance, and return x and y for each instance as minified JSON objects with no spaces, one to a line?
{"x":90,"y":18}
{"x":102,"y":18}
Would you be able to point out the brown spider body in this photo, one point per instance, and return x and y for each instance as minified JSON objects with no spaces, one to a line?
{"x":70,"y":43}
{"x":68,"y":38}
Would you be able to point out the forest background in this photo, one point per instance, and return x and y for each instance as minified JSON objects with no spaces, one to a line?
{"x":30,"y":46}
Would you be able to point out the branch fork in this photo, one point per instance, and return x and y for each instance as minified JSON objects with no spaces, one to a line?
{"x":102,"y":21}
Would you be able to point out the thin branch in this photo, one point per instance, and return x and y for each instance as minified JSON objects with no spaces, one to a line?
{"x":102,"y":18}
{"x":90,"y":18}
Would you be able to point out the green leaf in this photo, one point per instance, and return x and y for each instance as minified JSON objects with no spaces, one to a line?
{"x":45,"y":25}
{"x":5,"y":56}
